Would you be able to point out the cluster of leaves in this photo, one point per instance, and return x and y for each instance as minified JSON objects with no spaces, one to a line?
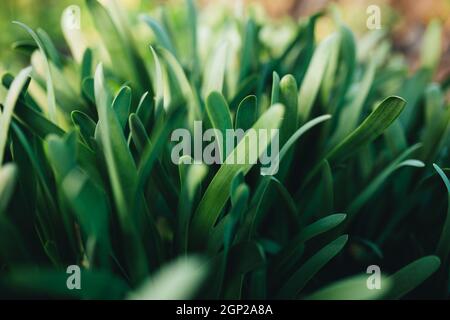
{"x":87,"y":178}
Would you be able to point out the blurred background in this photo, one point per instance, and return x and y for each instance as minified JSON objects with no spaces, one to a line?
{"x":405,"y":19}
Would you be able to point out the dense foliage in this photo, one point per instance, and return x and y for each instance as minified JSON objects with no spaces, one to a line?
{"x":87,"y":178}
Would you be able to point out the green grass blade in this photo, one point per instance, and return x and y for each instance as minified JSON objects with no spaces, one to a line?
{"x":8,"y":109}
{"x":301,"y":277}
{"x":292,"y":252}
{"x":215,"y":197}
{"x":86,"y":126}
{"x":138,"y":133}
{"x":289,"y":98}
{"x":443,"y":247}
{"x":248,"y":51}
{"x":181,"y":86}
{"x":247,"y":113}
{"x":287,"y":198}
{"x":94,"y":284}
{"x":90,"y":205}
{"x":51,"y":101}
{"x":194,"y":175}
{"x":61,"y":153}
{"x":313,"y":77}
{"x":50,"y":49}
{"x":329,"y":75}
{"x":349,"y":117}
{"x":145,"y":111}
{"x":177,"y":280}
{"x":160,"y":33}
{"x":411,"y":276}
{"x":431,"y":46}
{"x":220,"y":117}
{"x":275,"y":95}
{"x":158,"y":81}
{"x":215,"y":71}
{"x":192,"y":26}
{"x":378,"y":181}
{"x":120,"y":46}
{"x":121,"y":105}
{"x":372,"y":127}
{"x":116,"y":151}
{"x":353,"y":288}
{"x":86,"y":65}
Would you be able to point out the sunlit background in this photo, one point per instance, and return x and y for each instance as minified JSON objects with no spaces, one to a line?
{"x":406,"y":19}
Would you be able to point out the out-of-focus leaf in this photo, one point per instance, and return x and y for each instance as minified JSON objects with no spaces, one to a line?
{"x":121,"y":105}
{"x":90,"y":206}
{"x":313,"y":77}
{"x":215,"y":197}
{"x":443,"y":247}
{"x":45,"y":283}
{"x":160,"y":33}
{"x":353,"y":288}
{"x":215,"y":71}
{"x":122,"y":172}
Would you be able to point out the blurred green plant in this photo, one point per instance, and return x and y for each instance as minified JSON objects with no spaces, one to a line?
{"x":87,"y":179}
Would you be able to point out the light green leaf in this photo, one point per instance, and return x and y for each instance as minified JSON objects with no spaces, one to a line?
{"x":220,"y":117}
{"x":214,"y":74}
{"x":61,"y":153}
{"x":246,"y":114}
{"x":8,"y":175}
{"x":94,"y":284}
{"x":431,"y":46}
{"x":293,"y":286}
{"x":8,"y":109}
{"x":191,"y":182}
{"x":177,"y":280}
{"x":158,"y":81}
{"x":49,"y":82}
{"x":352,"y":288}
{"x":275,"y":96}
{"x":120,"y":46}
